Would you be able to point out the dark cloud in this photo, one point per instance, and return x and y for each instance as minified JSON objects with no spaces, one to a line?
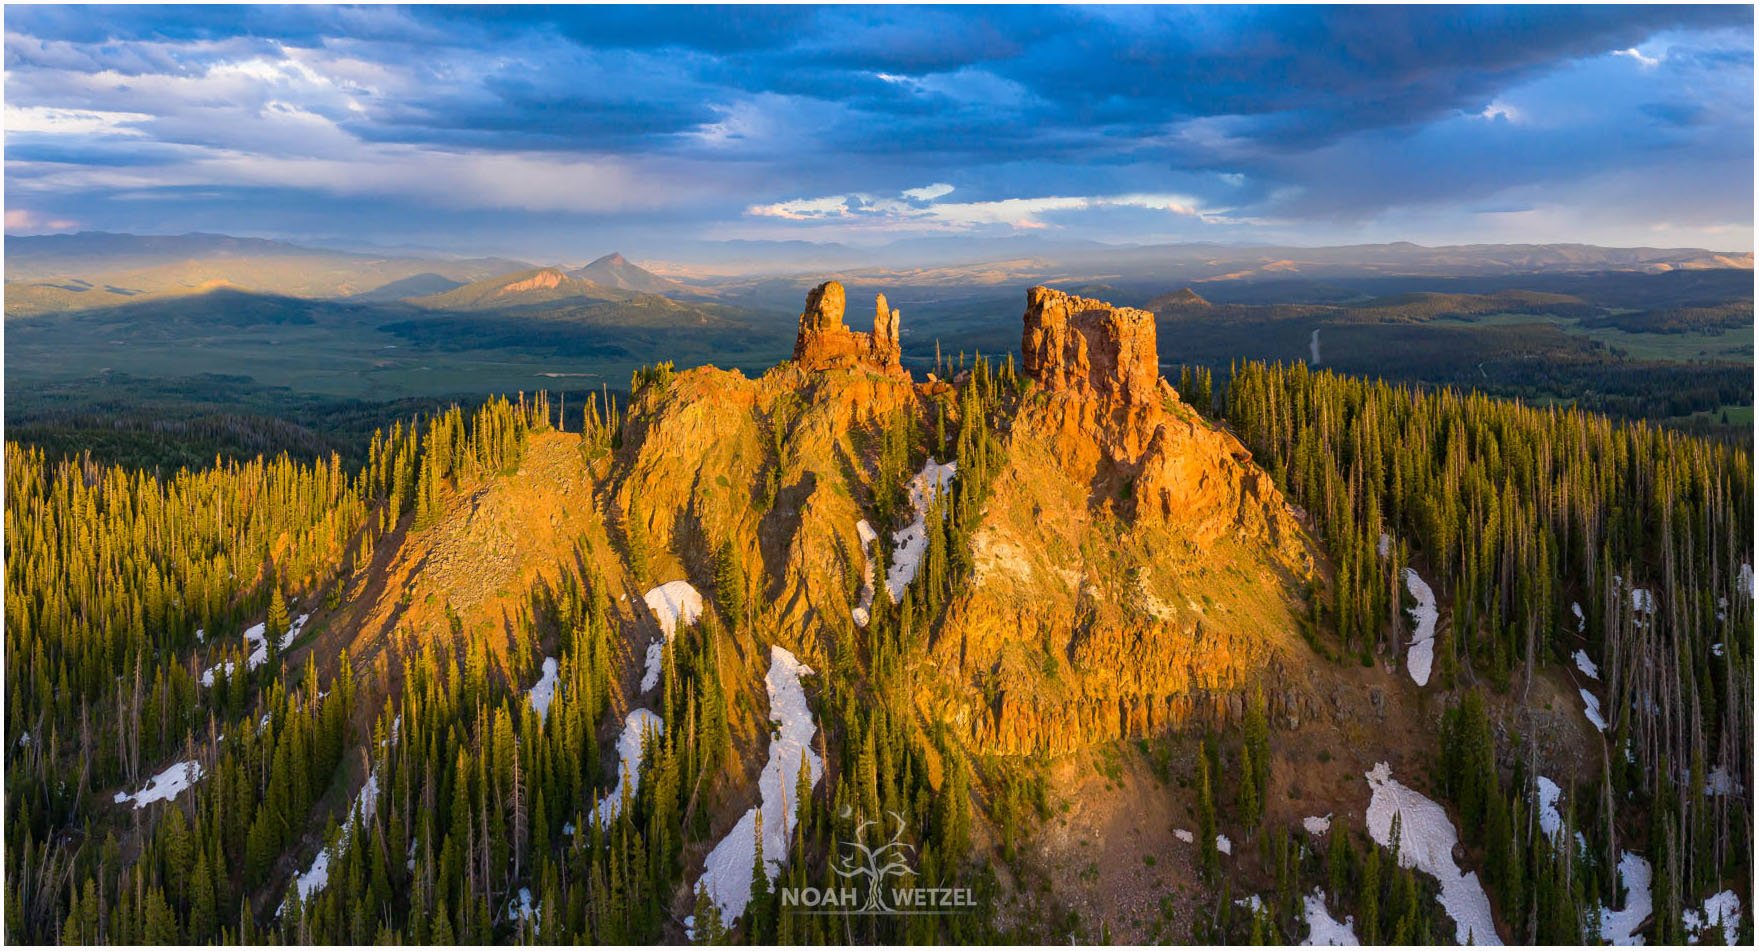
{"x":1319,"y":114}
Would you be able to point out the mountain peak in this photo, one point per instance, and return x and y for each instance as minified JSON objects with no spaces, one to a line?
{"x":615,"y":271}
{"x":824,"y":343}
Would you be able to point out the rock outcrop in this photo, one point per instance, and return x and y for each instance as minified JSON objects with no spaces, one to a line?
{"x":1133,"y":570}
{"x":824,"y":343}
{"x":1073,"y":344}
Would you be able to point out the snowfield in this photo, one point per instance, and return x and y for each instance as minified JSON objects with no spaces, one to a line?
{"x":168,"y":785}
{"x":672,"y":603}
{"x":1421,"y":657}
{"x":317,"y":877}
{"x":1587,"y":666}
{"x":1426,"y":843}
{"x":1620,"y":927}
{"x":864,"y":610}
{"x":1591,"y":709}
{"x":1722,"y":908}
{"x":727,"y":870}
{"x":1550,"y":820}
{"x":1185,"y":835}
{"x":1323,"y":930}
{"x":911,"y":541}
{"x":636,"y":727}
{"x":257,"y":638}
{"x":544,"y":691}
{"x":1316,"y":825}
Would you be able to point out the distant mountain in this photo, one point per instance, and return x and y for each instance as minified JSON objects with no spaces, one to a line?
{"x":416,"y":285}
{"x":543,"y":285}
{"x":615,"y":271}
{"x":122,"y":267}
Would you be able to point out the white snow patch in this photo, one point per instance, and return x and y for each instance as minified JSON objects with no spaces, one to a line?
{"x":1744,"y":581}
{"x":201,"y":636}
{"x":1224,"y":845}
{"x":1317,"y":825}
{"x":911,"y":541}
{"x":1184,"y":835}
{"x":544,"y":691}
{"x":1586,"y":665}
{"x":257,"y":639}
{"x":1252,"y":902}
{"x":1721,"y":782}
{"x":1421,"y":656}
{"x":521,"y":907}
{"x":1426,"y":842}
{"x":671,"y":603}
{"x":1642,"y":601}
{"x":1721,"y":908}
{"x":727,"y":870}
{"x":1581,"y":619}
{"x":1716,"y":648}
{"x":864,"y":609}
{"x":567,"y":828}
{"x":168,"y":785}
{"x":636,"y":727}
{"x":1322,"y":929}
{"x":1551,"y":822}
{"x":1591,"y":709}
{"x":1619,"y":927}
{"x":317,"y":877}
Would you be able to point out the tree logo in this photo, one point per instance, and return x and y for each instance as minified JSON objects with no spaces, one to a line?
{"x":872,"y":867}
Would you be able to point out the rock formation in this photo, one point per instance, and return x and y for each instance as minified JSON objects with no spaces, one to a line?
{"x":1133,"y":569}
{"x":824,"y":343}
{"x":1073,"y":344}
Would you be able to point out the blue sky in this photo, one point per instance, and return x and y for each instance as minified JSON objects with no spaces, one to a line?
{"x":560,"y":132}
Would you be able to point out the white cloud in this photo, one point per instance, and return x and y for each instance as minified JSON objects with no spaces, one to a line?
{"x":1647,"y":62}
{"x":44,"y":120}
{"x":25,"y":220}
{"x":1497,"y":109}
{"x":917,"y":209}
{"x":929,"y":192}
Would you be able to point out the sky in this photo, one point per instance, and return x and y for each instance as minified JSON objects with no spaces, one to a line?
{"x":552,"y":132}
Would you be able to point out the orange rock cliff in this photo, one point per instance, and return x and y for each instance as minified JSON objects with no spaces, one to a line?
{"x":824,"y":343}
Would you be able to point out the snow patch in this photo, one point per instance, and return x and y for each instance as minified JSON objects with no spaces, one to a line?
{"x":1421,"y":656}
{"x":1581,"y":619}
{"x":1721,"y":782}
{"x":1184,"y":835}
{"x":1620,"y":927}
{"x":317,"y":877}
{"x":1591,"y":709}
{"x":1224,"y":845}
{"x":1642,"y":601}
{"x":1317,"y":825}
{"x":1722,"y":908}
{"x":1323,"y":930}
{"x":1426,"y":842}
{"x":911,"y":541}
{"x":1744,"y":581}
{"x":671,"y":603}
{"x":1586,"y":665}
{"x":544,"y":691}
{"x":636,"y":727}
{"x":256,"y":637}
{"x":521,"y":907}
{"x":727,"y":870}
{"x":864,"y":610}
{"x":1551,"y":822}
{"x":168,"y":785}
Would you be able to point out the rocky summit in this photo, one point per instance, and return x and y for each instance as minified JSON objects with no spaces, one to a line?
{"x":825,"y":343}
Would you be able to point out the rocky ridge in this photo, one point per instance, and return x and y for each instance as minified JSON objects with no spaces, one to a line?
{"x":823,"y":342}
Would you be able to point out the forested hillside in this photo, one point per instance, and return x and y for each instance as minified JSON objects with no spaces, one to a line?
{"x":631,"y":674}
